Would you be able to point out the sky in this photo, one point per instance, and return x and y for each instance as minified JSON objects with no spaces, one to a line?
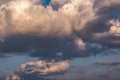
{"x":57,"y":31}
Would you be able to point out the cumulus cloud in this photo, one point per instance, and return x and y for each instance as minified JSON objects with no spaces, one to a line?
{"x":65,"y":22}
{"x":24,"y":16}
{"x":80,"y":43}
{"x":27,"y":16}
{"x":42,"y":68}
{"x":111,"y":36}
{"x":115,"y":28}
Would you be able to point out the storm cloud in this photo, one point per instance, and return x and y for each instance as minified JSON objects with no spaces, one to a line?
{"x":60,"y":26}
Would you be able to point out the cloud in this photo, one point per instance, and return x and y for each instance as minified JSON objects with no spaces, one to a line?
{"x":110,"y":37}
{"x":42,"y":68}
{"x":43,"y":21}
{"x":109,"y":63}
{"x":60,"y":26}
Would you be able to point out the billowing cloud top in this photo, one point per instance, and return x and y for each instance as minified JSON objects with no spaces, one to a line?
{"x":90,"y":20}
{"x":30,"y":16}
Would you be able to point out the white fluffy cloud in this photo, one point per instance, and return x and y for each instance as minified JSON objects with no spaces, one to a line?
{"x":25,"y":16}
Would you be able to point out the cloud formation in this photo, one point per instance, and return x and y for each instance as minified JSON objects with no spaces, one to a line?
{"x":26,"y":24}
{"x":27,"y":16}
{"x":42,"y":68}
